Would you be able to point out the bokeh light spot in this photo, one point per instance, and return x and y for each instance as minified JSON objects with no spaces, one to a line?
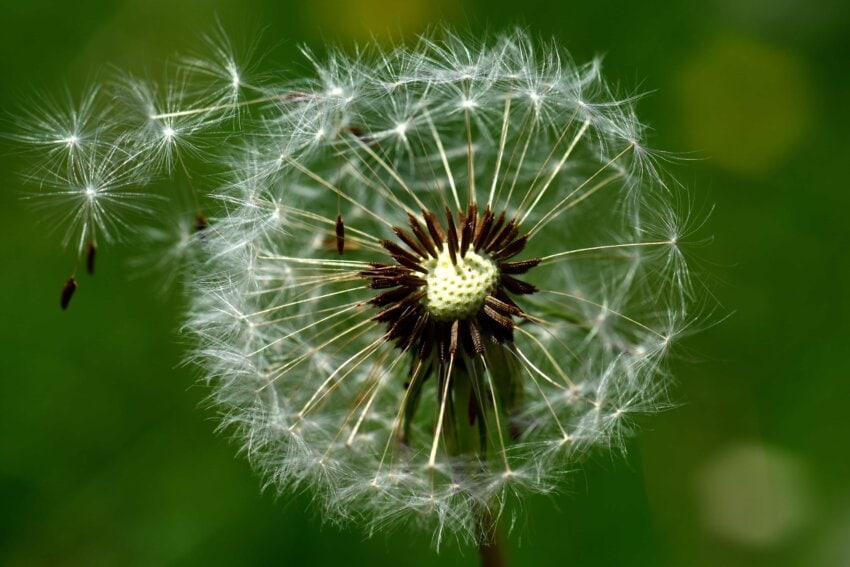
{"x":753,"y":495}
{"x":745,"y":104}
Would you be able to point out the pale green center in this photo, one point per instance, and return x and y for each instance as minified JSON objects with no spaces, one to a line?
{"x":457,"y":291}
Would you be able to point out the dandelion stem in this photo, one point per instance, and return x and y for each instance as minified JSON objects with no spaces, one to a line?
{"x":490,"y":549}
{"x":490,"y":554}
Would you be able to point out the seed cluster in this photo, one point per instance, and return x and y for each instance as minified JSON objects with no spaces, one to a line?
{"x":449,"y":286}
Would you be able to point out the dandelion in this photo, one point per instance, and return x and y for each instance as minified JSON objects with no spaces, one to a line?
{"x":492,"y":312}
{"x":434,"y":277}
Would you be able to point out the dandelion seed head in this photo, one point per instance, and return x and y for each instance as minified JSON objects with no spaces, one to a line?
{"x":435,"y":277}
{"x":495,"y":312}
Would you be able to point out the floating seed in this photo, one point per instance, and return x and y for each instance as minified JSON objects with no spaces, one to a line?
{"x":68,"y":292}
{"x":90,"y":254}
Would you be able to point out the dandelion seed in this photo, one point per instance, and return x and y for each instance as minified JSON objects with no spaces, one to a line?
{"x":67,"y":292}
{"x":61,"y":131}
{"x":91,"y":250}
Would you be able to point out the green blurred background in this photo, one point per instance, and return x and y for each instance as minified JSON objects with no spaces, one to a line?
{"x":107,"y":456}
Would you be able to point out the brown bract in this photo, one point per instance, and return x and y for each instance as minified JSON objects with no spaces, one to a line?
{"x":402,"y":308}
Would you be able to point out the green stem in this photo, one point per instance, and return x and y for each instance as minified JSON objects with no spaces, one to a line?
{"x":491,"y":552}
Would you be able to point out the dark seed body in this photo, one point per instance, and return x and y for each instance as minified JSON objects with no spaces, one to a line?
{"x":201,"y":223}
{"x":90,"y":255}
{"x":340,"y":235}
{"x":68,"y":292}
